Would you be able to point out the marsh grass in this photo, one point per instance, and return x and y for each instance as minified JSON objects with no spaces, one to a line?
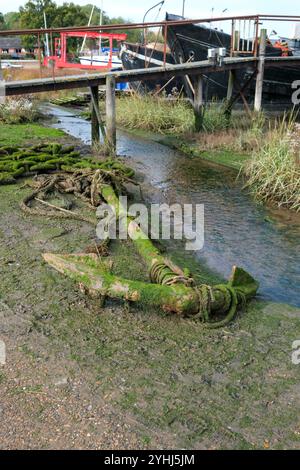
{"x":167,"y":116}
{"x":176,"y":116}
{"x":273,"y":172}
{"x":155,"y":114}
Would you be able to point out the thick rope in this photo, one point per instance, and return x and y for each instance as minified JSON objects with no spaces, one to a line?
{"x":161,"y":273}
{"x":229,"y":292}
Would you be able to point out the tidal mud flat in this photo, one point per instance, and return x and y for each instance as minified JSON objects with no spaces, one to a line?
{"x":79,"y":375}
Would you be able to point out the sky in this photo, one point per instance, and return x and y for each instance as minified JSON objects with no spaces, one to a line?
{"x":135,"y":9}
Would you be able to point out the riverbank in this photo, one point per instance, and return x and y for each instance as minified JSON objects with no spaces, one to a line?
{"x":79,"y":375}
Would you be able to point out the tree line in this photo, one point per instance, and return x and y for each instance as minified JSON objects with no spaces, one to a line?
{"x":31,"y":16}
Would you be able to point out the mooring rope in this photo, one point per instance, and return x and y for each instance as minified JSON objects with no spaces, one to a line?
{"x":232,"y":302}
{"x":161,"y":273}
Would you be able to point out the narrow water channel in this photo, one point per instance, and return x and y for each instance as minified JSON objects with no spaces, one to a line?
{"x":237,"y":231}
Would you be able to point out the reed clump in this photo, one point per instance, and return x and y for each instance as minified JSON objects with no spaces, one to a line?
{"x":273,"y":172}
{"x":155,"y":114}
{"x":167,"y":116}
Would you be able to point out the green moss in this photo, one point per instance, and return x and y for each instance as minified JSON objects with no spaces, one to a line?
{"x":16,"y":161}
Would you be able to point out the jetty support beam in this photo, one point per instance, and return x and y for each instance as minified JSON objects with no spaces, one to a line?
{"x":94,"y":114}
{"x":111,"y":128}
{"x":198,"y":104}
{"x":261,"y":71}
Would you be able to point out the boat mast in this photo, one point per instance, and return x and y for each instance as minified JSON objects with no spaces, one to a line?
{"x":183,"y":8}
{"x":101,"y":21}
{"x":47,"y":36}
{"x":89,"y":24}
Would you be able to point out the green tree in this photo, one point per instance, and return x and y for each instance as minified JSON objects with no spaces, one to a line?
{"x":12,"y":20}
{"x":69,"y":14}
{"x":2,"y":21}
{"x":32,"y":17}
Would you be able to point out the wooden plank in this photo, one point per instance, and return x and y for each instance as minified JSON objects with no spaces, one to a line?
{"x":82,"y":81}
{"x":111,"y":127}
{"x":193,"y":68}
{"x":230,"y":88}
{"x":231,"y":102}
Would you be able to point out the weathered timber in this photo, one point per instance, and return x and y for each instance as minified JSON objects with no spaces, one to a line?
{"x":88,"y":271}
{"x":260,"y":71}
{"x":170,"y":288}
{"x":198,"y":105}
{"x":151,"y":73}
{"x":111,"y":127}
{"x":95,"y":113}
{"x":95,"y":109}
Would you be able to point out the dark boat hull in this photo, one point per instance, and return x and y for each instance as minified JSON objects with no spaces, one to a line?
{"x":135,"y":56}
{"x":191,"y":43}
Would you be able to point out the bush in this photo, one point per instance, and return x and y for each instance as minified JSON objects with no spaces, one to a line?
{"x":16,"y":111}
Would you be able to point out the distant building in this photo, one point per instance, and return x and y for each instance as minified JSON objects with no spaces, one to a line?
{"x":12,"y":46}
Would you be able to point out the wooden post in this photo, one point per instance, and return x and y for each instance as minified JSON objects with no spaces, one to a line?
{"x":165,"y":43}
{"x":94,"y":118}
{"x":111,"y":130}
{"x":39,"y":55}
{"x":260,"y":71}
{"x":231,"y":78}
{"x":198,"y":103}
{"x":230,"y":88}
{"x":2,"y":86}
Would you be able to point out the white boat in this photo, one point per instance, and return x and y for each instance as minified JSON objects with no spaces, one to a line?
{"x":101,"y":60}
{"x":10,"y":65}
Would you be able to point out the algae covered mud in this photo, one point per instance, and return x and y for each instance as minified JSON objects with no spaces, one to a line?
{"x":237,"y":231}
